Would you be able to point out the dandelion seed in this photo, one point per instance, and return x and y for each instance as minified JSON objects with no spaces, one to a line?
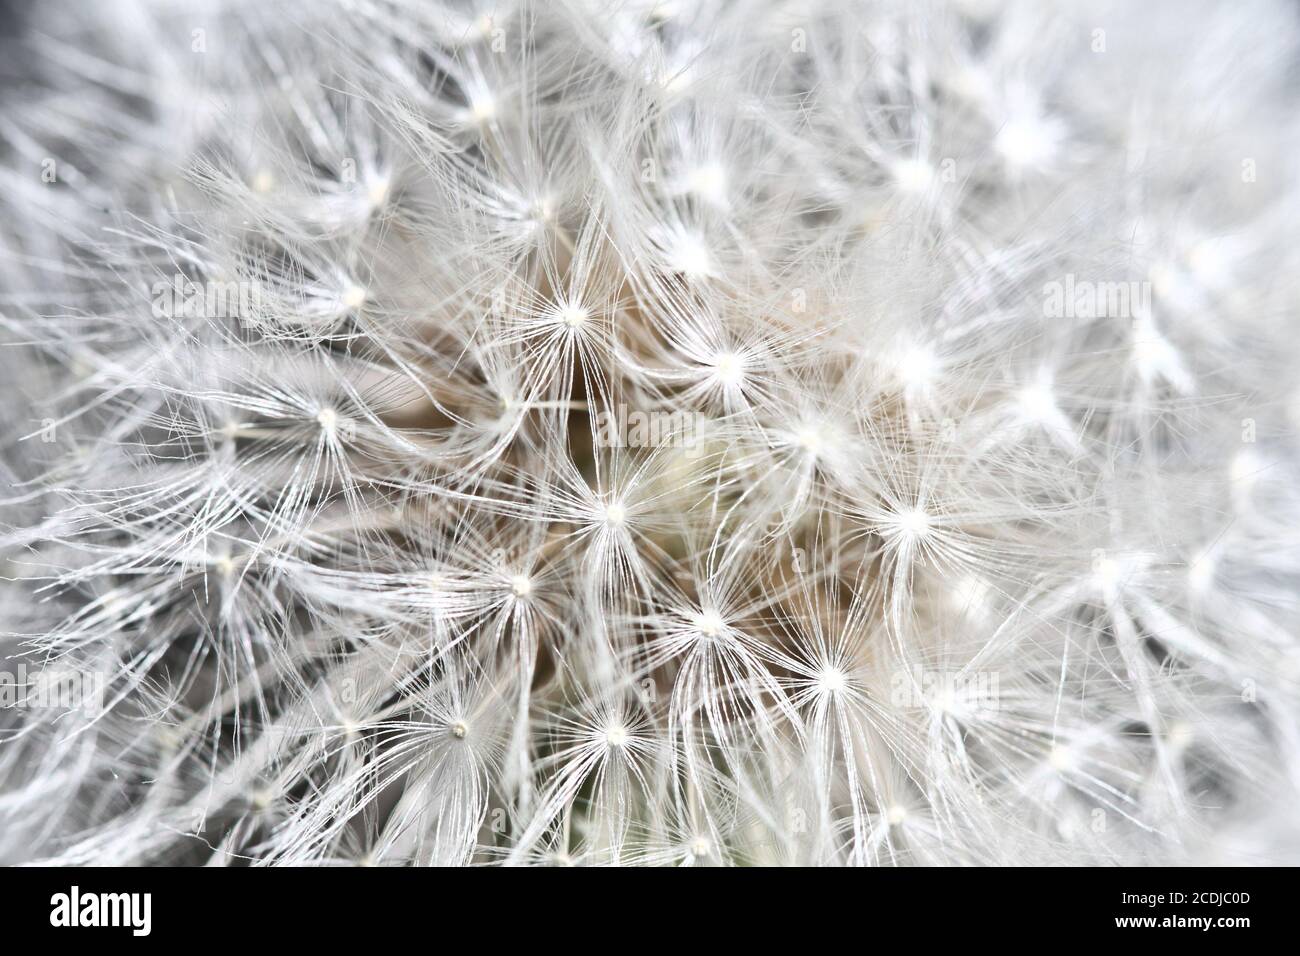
{"x":709,"y":182}
{"x":1061,"y":759}
{"x":831,"y":680}
{"x":572,"y":316}
{"x":689,"y":254}
{"x":1244,"y":468}
{"x":353,"y":297}
{"x":1028,"y":140}
{"x":709,"y":624}
{"x":377,"y":192}
{"x":1107,"y":575}
{"x":916,"y":369}
{"x":728,"y":369}
{"x":913,"y":175}
{"x":482,"y":110}
{"x":1180,"y":735}
{"x":810,"y":440}
{"x":1037,"y":401}
{"x":1202,"y":571}
{"x":328,"y":419}
{"x":543,"y":210}
{"x":910,"y":523}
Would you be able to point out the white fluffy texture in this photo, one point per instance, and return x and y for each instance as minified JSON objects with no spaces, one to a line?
{"x":364,"y":587}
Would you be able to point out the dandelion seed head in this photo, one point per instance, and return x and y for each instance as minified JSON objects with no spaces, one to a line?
{"x":910,"y":523}
{"x":543,"y":210}
{"x":1202,"y":571}
{"x":1210,"y":262}
{"x":353,"y":297}
{"x":328,"y":419}
{"x":709,"y":182}
{"x":688,"y":253}
{"x":810,"y":440}
{"x":572,"y":316}
{"x":1037,"y":401}
{"x":709,"y":624}
{"x":1164,"y":280}
{"x":1061,"y":758}
{"x":831,"y":680}
{"x":916,"y":367}
{"x":1108,"y":576}
{"x":913,"y":175}
{"x":482,"y":110}
{"x":676,"y":81}
{"x":701,"y":474}
{"x":728,"y":369}
{"x":1180,"y":735}
{"x":1244,"y":468}
{"x":377,"y":192}
{"x":1028,"y":140}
